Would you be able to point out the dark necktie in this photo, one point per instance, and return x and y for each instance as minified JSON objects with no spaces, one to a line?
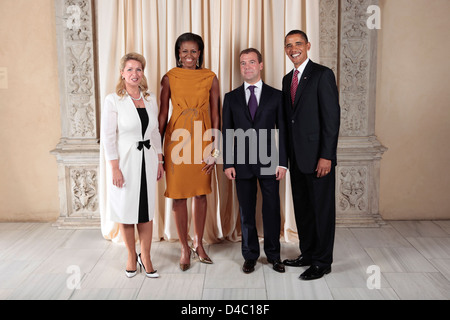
{"x":252,"y":102}
{"x":294,"y":85}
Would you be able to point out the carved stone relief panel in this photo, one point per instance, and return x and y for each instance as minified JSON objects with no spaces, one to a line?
{"x":82,"y":116}
{"x":329,"y":34}
{"x":355,"y":63}
{"x":79,"y":73}
{"x":84,"y":187}
{"x":353,"y":189}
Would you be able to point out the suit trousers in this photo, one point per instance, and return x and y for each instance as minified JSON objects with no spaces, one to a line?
{"x":247,"y":196}
{"x":315,"y":214}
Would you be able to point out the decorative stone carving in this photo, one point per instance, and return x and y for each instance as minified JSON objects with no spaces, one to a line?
{"x":78,"y":20}
{"x":359,"y":152}
{"x":352,"y":195}
{"x":78,"y":150}
{"x":328,"y":32}
{"x":79,"y":61}
{"x":79,"y":58}
{"x":355,"y":60}
{"x":84,"y":190}
{"x":82,"y":116}
{"x":357,"y":181}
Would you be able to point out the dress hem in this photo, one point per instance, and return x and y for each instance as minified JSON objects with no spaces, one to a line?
{"x":187,"y":196}
{"x":116,"y":221}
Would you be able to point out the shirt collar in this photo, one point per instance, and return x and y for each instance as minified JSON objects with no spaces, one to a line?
{"x":258,"y":84}
{"x":303,"y":66}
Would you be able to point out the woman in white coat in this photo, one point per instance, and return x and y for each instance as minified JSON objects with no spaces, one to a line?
{"x":132,"y":147}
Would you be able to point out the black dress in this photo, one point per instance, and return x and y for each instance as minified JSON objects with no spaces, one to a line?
{"x":143,"y":201}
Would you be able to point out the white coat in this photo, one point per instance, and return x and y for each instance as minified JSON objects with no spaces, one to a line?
{"x":121,"y":131}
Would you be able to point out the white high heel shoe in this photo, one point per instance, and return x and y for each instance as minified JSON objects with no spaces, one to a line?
{"x":153,"y":274}
{"x":131,"y":274}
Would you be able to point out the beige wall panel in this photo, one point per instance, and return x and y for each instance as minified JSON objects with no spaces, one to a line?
{"x":29,"y":112}
{"x":413,"y":109}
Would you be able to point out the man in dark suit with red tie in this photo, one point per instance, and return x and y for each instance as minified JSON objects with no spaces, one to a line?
{"x":251,"y":115}
{"x":312,"y":111}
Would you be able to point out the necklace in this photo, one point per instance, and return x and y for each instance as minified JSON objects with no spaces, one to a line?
{"x":140,"y":96}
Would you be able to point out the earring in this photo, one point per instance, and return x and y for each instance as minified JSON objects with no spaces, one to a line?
{"x":198,"y":64}
{"x":179,"y":63}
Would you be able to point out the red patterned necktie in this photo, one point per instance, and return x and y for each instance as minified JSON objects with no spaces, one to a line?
{"x":294,"y":85}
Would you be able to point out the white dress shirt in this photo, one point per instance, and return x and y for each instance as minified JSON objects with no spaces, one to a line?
{"x":257,"y":90}
{"x":301,"y":69}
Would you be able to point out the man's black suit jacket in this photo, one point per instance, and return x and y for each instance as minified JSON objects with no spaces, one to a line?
{"x":314,"y":118}
{"x":237,"y":122}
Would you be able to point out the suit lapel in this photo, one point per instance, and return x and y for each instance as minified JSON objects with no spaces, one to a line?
{"x":265,"y":95}
{"x":306,"y":75}
{"x":243,"y":102}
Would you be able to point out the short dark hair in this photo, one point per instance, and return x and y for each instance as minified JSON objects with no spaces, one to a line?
{"x":185,"y":37}
{"x":291,"y":33}
{"x":250,"y":50}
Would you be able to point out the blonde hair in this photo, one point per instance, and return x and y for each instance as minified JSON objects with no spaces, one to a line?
{"x":120,"y":88}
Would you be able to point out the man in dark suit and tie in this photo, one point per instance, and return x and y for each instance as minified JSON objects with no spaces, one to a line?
{"x":312,"y":111}
{"x":251,"y":115}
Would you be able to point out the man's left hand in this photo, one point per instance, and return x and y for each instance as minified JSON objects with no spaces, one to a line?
{"x":323,"y":167}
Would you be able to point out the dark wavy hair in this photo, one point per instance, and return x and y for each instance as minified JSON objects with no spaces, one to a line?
{"x":301,"y":33}
{"x":185,"y":37}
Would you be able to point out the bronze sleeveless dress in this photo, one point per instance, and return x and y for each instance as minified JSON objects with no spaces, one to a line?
{"x":184,"y":148}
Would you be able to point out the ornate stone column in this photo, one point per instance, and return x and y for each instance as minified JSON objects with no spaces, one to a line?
{"x":77,"y":153}
{"x":346,"y":40}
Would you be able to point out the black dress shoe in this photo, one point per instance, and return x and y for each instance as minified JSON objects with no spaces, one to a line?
{"x":249,"y":266}
{"x":301,"y":261}
{"x":277,"y":265}
{"x":315,"y":272}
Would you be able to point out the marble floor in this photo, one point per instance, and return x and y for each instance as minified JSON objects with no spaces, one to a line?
{"x":403,"y":260}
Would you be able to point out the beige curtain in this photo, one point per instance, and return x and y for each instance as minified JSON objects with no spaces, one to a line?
{"x":151,"y":27}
